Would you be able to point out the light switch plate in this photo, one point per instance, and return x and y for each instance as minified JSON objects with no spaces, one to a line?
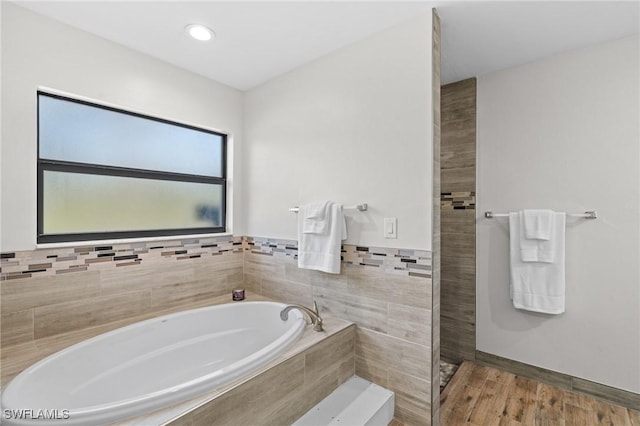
{"x":390,"y":228}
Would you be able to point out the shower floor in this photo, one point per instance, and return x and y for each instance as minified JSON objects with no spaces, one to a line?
{"x":447,"y":371}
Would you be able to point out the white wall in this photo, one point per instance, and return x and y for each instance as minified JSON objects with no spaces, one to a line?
{"x":562,"y":133}
{"x":353,"y":126}
{"x":37,"y":51}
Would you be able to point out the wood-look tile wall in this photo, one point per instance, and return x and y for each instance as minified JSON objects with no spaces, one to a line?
{"x":386,"y":292}
{"x":390,"y":305}
{"x":458,"y":176}
{"x":436,"y":241}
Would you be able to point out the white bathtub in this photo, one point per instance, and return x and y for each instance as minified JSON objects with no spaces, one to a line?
{"x":149,"y":365}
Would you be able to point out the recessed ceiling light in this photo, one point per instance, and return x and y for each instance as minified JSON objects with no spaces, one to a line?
{"x":199,"y":32}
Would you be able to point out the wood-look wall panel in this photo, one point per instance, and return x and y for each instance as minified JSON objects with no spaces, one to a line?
{"x":458,"y":226}
{"x":459,"y":221}
{"x":458,"y":180}
{"x":17,"y":327}
{"x":434,"y":406}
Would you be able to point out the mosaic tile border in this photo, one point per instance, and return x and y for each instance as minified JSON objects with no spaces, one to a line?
{"x":458,"y":200}
{"x":389,"y":260}
{"x":42,"y":262}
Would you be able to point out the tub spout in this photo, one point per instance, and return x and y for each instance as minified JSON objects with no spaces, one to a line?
{"x":313,"y":315}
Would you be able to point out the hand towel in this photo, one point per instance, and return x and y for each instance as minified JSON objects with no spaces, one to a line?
{"x":537,"y":224}
{"x":322,"y":251}
{"x":537,"y":286}
{"x":316,"y":218}
{"x":536,"y":250}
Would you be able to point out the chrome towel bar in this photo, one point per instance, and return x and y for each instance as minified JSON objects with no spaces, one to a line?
{"x":360,"y":207}
{"x":592,"y":214}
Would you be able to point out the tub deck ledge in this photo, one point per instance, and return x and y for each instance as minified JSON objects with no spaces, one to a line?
{"x":173,"y":415}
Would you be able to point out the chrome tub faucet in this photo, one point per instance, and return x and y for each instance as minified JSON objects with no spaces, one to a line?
{"x":313,"y":314}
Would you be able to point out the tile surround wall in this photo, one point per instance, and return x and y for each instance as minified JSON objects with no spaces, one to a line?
{"x":457,"y":207}
{"x":386,"y":292}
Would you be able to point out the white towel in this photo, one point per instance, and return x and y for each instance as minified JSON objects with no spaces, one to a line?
{"x":537,"y":224}
{"x":538,"y":286}
{"x":316,"y":218}
{"x":322,"y":251}
{"x":532,"y":249}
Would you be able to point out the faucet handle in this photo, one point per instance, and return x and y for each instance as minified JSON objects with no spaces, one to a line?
{"x":317,"y":322}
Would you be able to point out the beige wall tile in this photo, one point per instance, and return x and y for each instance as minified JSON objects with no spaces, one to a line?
{"x":294,"y":274}
{"x":347,"y":367}
{"x":336,"y":282}
{"x":412,"y":397}
{"x":252,"y":282}
{"x":231,"y":267}
{"x":188,"y":292}
{"x":366,"y":312}
{"x":413,"y":291}
{"x":288,"y":292}
{"x":257,"y":401}
{"x":145,"y":276}
{"x":16,"y":358}
{"x":20,"y":295}
{"x":264,"y":265}
{"x":329,"y":356}
{"x":410,"y":357}
{"x":410,"y":323}
{"x":393,"y":362}
{"x":78,"y":314}
{"x":373,"y":371}
{"x":16,"y":327}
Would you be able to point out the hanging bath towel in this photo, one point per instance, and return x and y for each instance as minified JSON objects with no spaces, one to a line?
{"x":537,"y":282}
{"x":321,"y":250}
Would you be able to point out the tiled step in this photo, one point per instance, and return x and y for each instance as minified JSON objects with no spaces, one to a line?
{"x":356,"y":402}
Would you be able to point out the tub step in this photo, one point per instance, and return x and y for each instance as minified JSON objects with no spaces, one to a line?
{"x":356,"y":402}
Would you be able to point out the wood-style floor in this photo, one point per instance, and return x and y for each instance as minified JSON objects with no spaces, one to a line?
{"x":479,"y":395}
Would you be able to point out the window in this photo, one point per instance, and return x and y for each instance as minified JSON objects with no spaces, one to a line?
{"x":105,"y":173}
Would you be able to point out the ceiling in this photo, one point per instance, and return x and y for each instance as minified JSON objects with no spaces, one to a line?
{"x":256,"y":41}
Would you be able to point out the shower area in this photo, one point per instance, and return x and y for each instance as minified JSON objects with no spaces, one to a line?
{"x":458,"y":226}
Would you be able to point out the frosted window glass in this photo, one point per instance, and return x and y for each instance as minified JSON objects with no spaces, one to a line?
{"x":70,"y":131}
{"x":80,"y":203}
